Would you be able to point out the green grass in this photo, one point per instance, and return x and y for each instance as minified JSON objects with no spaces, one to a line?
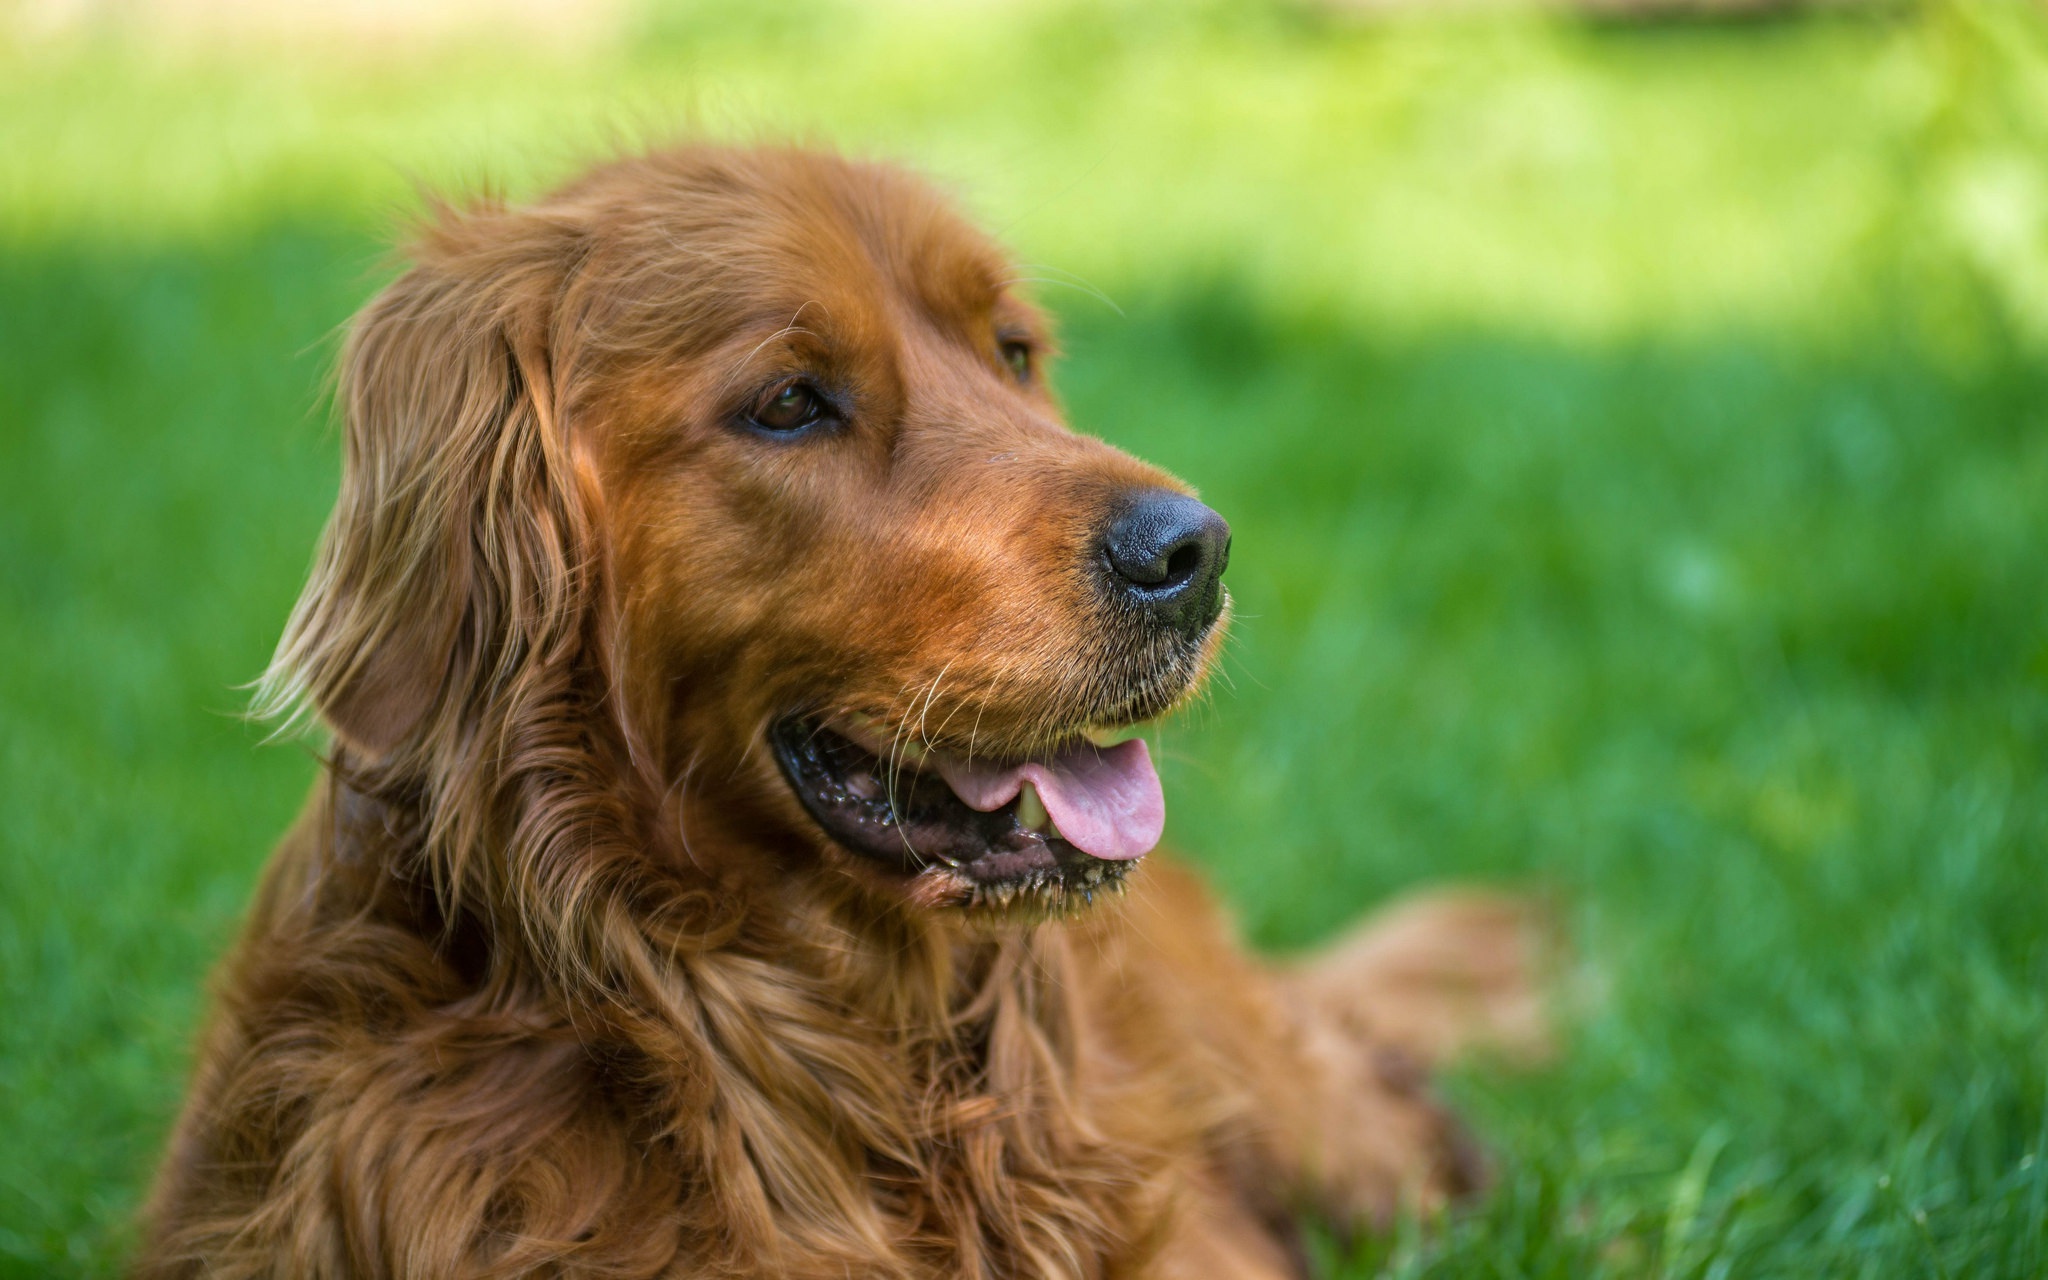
{"x":1637,"y":442}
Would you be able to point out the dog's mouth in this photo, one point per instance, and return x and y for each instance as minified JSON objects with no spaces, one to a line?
{"x":1046,"y":832}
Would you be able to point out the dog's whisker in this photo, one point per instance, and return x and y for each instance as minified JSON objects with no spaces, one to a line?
{"x":791,"y":329}
{"x":1078,"y":287}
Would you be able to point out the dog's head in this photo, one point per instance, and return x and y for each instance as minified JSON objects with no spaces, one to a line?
{"x":738,"y":472}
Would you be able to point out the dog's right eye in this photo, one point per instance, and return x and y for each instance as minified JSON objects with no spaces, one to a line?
{"x":790,"y":407}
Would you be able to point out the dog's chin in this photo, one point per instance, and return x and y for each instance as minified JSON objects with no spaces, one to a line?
{"x":904,"y":825}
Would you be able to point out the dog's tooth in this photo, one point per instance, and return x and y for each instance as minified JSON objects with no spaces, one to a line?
{"x":1031,"y":814}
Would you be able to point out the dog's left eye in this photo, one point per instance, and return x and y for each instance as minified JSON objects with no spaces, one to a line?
{"x":1016,"y":357}
{"x":791,"y":407}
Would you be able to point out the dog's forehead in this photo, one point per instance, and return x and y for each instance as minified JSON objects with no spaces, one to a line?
{"x":766,"y":233}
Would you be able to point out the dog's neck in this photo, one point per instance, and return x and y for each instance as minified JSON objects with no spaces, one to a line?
{"x":848,"y":1076}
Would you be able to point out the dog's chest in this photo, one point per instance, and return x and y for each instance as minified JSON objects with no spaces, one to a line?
{"x":991,"y":1150}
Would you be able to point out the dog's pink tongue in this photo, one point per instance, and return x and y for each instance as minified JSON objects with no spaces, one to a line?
{"x":1105,"y":801}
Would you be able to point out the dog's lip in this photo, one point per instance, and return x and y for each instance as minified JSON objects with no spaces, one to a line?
{"x":875,"y":734}
{"x":1103,"y":799}
{"x":892,"y":807}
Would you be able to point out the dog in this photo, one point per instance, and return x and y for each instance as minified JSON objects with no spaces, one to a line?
{"x":731,"y":857}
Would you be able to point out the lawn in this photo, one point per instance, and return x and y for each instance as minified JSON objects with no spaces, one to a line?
{"x":1636,"y":440}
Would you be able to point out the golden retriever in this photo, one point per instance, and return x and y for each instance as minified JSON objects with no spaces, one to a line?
{"x":730,"y":860}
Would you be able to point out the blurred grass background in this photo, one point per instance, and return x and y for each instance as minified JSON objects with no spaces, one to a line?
{"x":1634,"y":434}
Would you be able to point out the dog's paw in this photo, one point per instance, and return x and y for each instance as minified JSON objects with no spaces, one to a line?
{"x":1436,"y":975}
{"x":1383,"y":1144}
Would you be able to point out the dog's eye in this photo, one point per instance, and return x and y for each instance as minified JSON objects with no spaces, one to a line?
{"x":1016,"y":357}
{"x":792,"y":407}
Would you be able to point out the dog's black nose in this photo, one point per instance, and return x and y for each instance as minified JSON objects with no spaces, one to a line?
{"x":1166,"y":553}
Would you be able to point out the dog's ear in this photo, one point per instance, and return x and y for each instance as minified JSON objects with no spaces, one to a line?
{"x":452,"y":558}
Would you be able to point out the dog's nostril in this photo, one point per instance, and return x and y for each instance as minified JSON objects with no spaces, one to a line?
{"x":1166,"y":553}
{"x":1183,"y":563}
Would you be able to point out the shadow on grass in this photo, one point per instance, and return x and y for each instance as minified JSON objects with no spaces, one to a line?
{"x":1737,"y":648}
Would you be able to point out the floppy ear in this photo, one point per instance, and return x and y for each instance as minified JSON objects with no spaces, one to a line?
{"x":451,"y":559}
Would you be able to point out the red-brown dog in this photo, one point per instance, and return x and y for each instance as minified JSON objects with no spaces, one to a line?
{"x":725,"y":646}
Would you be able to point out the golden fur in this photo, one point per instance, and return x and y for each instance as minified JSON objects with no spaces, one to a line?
{"x":553,"y":977}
